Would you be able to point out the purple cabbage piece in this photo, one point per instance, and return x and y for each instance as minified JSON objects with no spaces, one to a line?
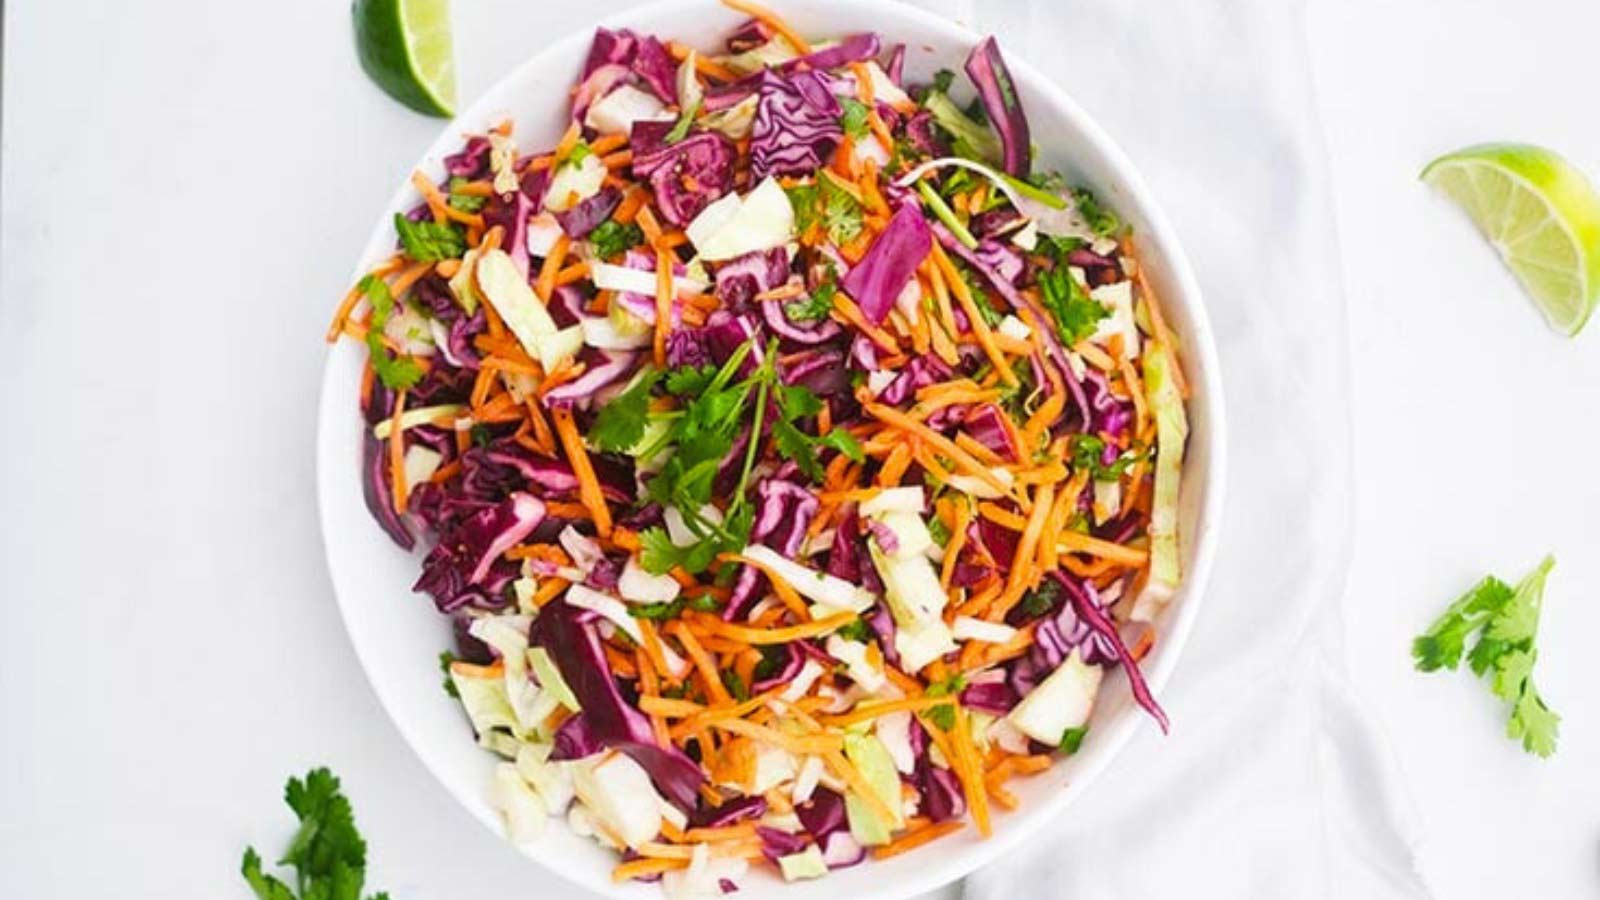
{"x":609,"y":48}
{"x":846,"y":556}
{"x":604,"y":367}
{"x":1102,"y":625}
{"x":995,"y":697}
{"x":725,"y":333}
{"x":595,"y":85}
{"x":434,"y":295}
{"x":994,"y":222}
{"x":775,"y":314}
{"x":796,"y":126}
{"x":989,"y":74}
{"x":1002,"y":259}
{"x":784,"y":511}
{"x":888,"y":542}
{"x":656,"y":69}
{"x":471,"y":161}
{"x":851,"y":48}
{"x":1085,"y":258}
{"x":939,"y":792}
{"x":896,"y":67}
{"x":468,"y":648}
{"x":823,"y":814}
{"x":575,"y":739}
{"x":1109,"y":414}
{"x":924,"y":137}
{"x":455,"y":572}
{"x":731,"y":812}
{"x":750,"y":34}
{"x":823,"y":372}
{"x":512,"y":214}
{"x":889,"y":264}
{"x":686,"y":176}
{"x":609,"y":719}
{"x":840,"y":850}
{"x":687,"y":347}
{"x":918,"y":373}
{"x":377,"y":491}
{"x":587,"y":215}
{"x":987,"y":427}
{"x":775,"y":843}
{"x":793,"y":661}
{"x":567,"y":305}
{"x":740,"y":279}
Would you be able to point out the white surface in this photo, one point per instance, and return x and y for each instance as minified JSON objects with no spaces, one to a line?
{"x":169,"y":252}
{"x":395,"y":632}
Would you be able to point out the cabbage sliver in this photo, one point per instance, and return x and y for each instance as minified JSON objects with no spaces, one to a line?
{"x":872,"y":760}
{"x":1172,"y":431}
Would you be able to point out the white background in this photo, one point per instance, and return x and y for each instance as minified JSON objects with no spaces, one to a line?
{"x":184,"y":186}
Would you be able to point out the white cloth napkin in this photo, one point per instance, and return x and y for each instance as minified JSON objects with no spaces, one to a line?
{"x":1274,"y":783}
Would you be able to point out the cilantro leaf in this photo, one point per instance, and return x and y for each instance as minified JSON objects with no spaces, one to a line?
{"x":844,"y":442}
{"x":690,"y":380}
{"x":854,"y":117}
{"x":427,"y":240}
{"x":942,"y":80}
{"x":1534,"y":723}
{"x":1441,"y":646}
{"x":1101,"y":221}
{"x":792,"y":443}
{"x":798,"y":401}
{"x":396,"y":373}
{"x":825,"y":202}
{"x":1074,"y":312}
{"x":814,"y":307}
{"x":735,"y":685}
{"x":1088,"y":454}
{"x":657,"y":612}
{"x":327,"y":852}
{"x":612,"y":238}
{"x":945,"y":716}
{"x":620,"y":424}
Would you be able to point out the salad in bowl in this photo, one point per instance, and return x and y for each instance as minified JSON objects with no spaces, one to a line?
{"x":792,"y":456}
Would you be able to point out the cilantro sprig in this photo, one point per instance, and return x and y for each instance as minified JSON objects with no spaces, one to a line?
{"x":825,"y":202}
{"x":327,"y":853}
{"x":1506,"y":622}
{"x":396,"y":372}
{"x":725,"y":415}
{"x":427,"y":241}
{"x":1075,"y":313}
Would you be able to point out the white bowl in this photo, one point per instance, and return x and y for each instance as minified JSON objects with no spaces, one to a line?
{"x":397,"y":634}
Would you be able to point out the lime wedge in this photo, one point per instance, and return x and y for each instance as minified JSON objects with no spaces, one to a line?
{"x":405,"y":47}
{"x":1540,"y":213}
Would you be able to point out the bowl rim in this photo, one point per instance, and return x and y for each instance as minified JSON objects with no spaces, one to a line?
{"x":1200,"y":356}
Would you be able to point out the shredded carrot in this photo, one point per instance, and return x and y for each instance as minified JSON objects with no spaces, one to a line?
{"x":578,"y":457}
{"x":647,"y":224}
{"x":569,"y":142}
{"x":771,"y":20}
{"x":628,"y":209}
{"x":1022,"y":569}
{"x":897,"y":419}
{"x":1158,"y":322}
{"x":1002,"y":516}
{"x":980,"y":328}
{"x":430,"y":195}
{"x":354,"y":295}
{"x":763,"y":636}
{"x":850,"y":314}
{"x":397,"y":453}
{"x":785,"y":591}
{"x":545,"y":285}
{"x":644,"y":868}
{"x":914,"y":839}
{"x":958,"y":540}
{"x":1074,"y":542}
{"x":971,"y":778}
{"x":663,"y":305}
{"x":894,"y":468}
{"x":800,"y":745}
{"x":702,"y":662}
